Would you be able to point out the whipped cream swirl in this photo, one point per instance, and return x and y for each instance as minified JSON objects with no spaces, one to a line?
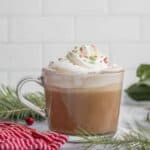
{"x":83,"y":59}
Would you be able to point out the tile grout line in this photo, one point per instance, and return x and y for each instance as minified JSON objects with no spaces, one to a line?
{"x":9,"y":76}
{"x":42,"y":44}
{"x":43,"y":14}
{"x":110,"y":52}
{"x":9,"y":29}
{"x":42,"y":53}
{"x":42,"y":2}
{"x":72,"y":42}
{"x":8,"y":42}
{"x":141,"y":28}
{"x":75,"y":28}
{"x":109,"y":7}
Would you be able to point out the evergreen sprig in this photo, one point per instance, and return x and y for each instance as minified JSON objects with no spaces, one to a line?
{"x":12,"y":109}
{"x":136,"y":139}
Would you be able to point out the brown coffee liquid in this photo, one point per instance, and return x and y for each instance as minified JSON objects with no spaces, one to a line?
{"x":95,"y":110}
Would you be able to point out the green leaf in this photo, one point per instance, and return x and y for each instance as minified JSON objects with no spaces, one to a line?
{"x":143,"y":71}
{"x":139,"y":92}
{"x":145,"y":76}
{"x":145,"y":82}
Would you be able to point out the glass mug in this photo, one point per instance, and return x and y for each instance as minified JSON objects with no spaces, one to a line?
{"x":76,"y":102}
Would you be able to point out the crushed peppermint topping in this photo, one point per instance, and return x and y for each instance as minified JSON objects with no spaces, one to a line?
{"x":90,"y":54}
{"x":84,"y":58}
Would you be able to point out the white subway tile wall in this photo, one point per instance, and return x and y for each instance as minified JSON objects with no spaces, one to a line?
{"x":3,"y":78}
{"x":76,"y":7}
{"x":33,"y":32}
{"x":42,"y":29}
{"x":130,"y":7}
{"x":108,"y":28}
{"x":20,"y":7}
{"x":20,"y":56}
{"x":130,"y":55}
{"x":3,"y":29}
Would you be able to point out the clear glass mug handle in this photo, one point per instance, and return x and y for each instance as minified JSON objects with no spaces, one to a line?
{"x":25,"y":101}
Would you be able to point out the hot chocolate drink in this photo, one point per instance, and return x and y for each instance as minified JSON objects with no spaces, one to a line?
{"x":82,"y":92}
{"x":95,"y":110}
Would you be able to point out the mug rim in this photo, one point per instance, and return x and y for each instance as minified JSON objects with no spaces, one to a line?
{"x":81,"y":74}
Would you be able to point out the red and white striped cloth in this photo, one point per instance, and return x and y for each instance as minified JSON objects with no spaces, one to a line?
{"x":15,"y":136}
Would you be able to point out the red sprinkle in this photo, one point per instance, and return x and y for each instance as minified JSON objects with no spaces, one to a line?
{"x":81,"y":49}
{"x":105,"y":60}
{"x":92,"y":45}
{"x":81,"y":56}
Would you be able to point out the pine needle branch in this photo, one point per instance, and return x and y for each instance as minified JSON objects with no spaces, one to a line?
{"x":12,"y":109}
{"x":136,"y":139}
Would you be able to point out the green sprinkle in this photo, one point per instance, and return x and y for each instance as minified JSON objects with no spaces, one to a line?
{"x":92,"y":62}
{"x":92,"y":58}
{"x":85,"y":60}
